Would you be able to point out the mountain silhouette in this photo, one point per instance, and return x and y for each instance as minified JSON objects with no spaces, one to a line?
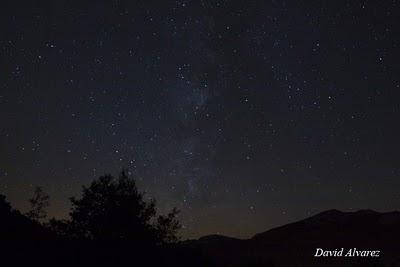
{"x":295,"y":244}
{"x":25,"y":242}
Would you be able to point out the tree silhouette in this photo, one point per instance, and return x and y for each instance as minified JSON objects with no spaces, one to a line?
{"x":5,"y":207}
{"x":61,"y":228}
{"x":14,"y":225}
{"x":113,"y":209}
{"x":39,"y":202}
{"x":168,"y":226}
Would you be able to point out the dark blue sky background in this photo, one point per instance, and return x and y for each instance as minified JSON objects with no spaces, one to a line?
{"x":243,"y":115}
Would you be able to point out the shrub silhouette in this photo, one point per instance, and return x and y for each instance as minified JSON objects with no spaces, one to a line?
{"x":15,"y":226}
{"x":5,"y":207}
{"x":113,"y":209}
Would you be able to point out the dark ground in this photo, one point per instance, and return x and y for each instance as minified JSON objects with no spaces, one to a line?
{"x":28,"y":244}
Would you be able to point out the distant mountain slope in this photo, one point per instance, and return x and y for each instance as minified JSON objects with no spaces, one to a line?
{"x":336,"y":225}
{"x":295,"y":244}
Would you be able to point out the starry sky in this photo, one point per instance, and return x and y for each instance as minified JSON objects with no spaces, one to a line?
{"x":243,"y":114}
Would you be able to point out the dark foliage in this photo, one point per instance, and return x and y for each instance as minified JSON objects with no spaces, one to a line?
{"x":15,"y":226}
{"x":111,"y":224}
{"x":113,"y":209}
{"x":39,"y":202}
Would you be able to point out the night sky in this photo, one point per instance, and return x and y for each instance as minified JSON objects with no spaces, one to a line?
{"x":243,"y":114}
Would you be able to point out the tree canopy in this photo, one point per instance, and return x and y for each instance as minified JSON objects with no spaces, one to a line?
{"x":39,"y":202}
{"x":113,"y":209}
